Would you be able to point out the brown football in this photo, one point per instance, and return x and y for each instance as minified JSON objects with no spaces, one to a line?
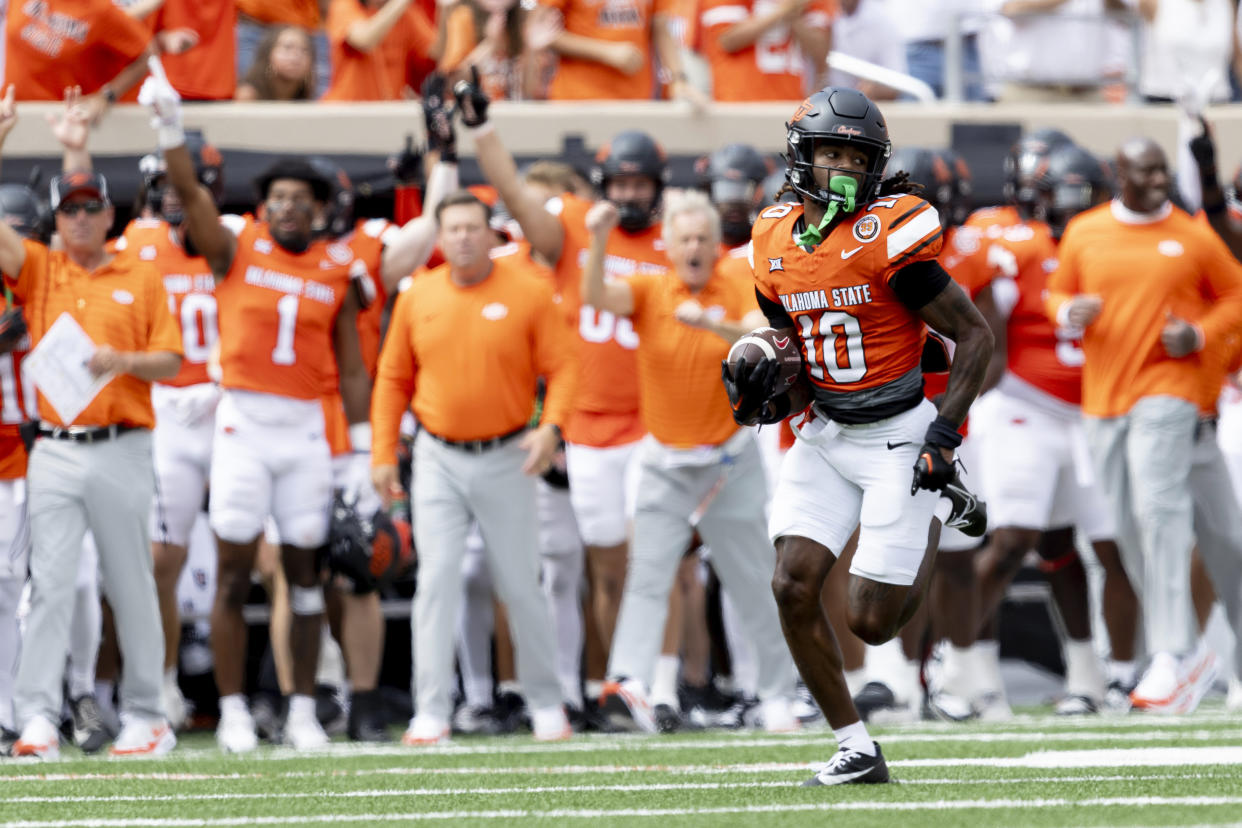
{"x":770,"y":343}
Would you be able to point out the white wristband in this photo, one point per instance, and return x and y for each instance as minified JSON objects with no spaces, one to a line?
{"x":484,"y":128}
{"x":171,"y":136}
{"x":360,"y":437}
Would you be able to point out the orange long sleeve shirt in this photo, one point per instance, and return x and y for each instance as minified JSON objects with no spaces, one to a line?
{"x":469,"y":357}
{"x":1144,"y":271}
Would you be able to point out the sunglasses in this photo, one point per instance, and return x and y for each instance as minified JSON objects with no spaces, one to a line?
{"x":91,"y":208}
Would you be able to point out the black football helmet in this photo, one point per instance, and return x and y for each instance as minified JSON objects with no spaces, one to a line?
{"x":838,"y":115}
{"x":1026,"y":167}
{"x":1077,"y":181}
{"x":928,"y":169}
{"x":21,"y":208}
{"x":338,"y":214}
{"x":632,"y":153}
{"x":208,"y":166}
{"x":733,"y":178}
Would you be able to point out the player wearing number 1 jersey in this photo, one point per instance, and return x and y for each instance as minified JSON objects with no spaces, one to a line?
{"x":287,"y":308}
{"x":852,"y":271}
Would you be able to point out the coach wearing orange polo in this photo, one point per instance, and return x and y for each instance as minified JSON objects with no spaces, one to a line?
{"x":95,"y":471}
{"x":697,"y":469}
{"x":467,"y":342}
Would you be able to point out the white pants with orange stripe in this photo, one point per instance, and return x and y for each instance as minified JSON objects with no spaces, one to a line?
{"x":722,"y":493}
{"x":451,"y":489}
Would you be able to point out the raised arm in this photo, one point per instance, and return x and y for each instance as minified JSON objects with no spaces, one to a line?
{"x":366,"y":33}
{"x":615,"y":297}
{"x":72,"y":129}
{"x":216,"y":243}
{"x":12,"y":251}
{"x":751,"y":27}
{"x":542,"y":229}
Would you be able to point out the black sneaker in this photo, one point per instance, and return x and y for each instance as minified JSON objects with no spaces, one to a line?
{"x":511,"y":712}
{"x":89,"y":732}
{"x":970,"y":513}
{"x":473,"y":719}
{"x":366,"y":718}
{"x":874,"y":695}
{"x":851,"y":767}
{"x":667,"y":719}
{"x":8,"y":738}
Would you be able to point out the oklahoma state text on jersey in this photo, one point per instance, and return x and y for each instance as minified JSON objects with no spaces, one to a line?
{"x":856,"y":334}
{"x":278,"y":313}
{"x":191,"y":288}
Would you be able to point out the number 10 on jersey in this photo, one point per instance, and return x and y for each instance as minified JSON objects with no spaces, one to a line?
{"x":833,"y":343}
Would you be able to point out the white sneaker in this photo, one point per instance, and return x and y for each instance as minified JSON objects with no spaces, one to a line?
{"x":304,"y":733}
{"x":39,"y":738}
{"x":993,"y":707}
{"x":550,"y":724}
{"x":628,"y":700}
{"x":426,"y":730}
{"x":173,"y":702}
{"x":1160,"y":686}
{"x":143,"y":737}
{"x":1199,"y":670}
{"x":235,"y":733}
{"x":777,"y":716}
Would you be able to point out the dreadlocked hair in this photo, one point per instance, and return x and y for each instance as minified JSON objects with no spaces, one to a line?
{"x":899,"y":184}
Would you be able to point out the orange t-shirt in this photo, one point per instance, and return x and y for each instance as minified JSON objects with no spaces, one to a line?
{"x":772,"y":68}
{"x":469,"y":357}
{"x":121,"y":304}
{"x":278,"y":311}
{"x":191,"y":289}
{"x":207,"y":72}
{"x":16,"y":393}
{"x":1143,"y":272}
{"x":606,"y":406}
{"x":380,"y":74}
{"x":682,"y":399}
{"x":854,"y":331}
{"x":626,"y":21}
{"x":53,"y":44}
{"x":304,"y":13}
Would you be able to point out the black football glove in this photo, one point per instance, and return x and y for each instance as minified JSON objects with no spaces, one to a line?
{"x":931,"y":470}
{"x":1203,"y":149}
{"x":12,"y":329}
{"x":471,"y":101}
{"x":438,"y":117}
{"x":751,"y":390}
{"x":407,"y":166}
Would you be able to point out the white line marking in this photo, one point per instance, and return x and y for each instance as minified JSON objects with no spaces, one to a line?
{"x":968,"y":804}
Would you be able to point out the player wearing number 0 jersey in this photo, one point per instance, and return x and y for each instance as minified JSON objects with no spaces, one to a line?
{"x":852,"y":271}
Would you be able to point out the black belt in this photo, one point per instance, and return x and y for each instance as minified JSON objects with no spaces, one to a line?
{"x":478,"y":446}
{"x":85,"y":434}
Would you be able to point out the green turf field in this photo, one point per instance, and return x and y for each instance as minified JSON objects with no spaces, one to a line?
{"x":1036,"y":770}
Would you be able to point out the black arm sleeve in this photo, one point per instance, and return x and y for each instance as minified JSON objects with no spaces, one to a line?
{"x":774,"y":311}
{"x":918,"y":283}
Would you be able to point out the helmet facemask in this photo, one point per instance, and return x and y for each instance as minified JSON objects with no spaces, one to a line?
{"x":847,"y":189}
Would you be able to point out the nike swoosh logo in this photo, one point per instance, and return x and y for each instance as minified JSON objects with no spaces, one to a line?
{"x":845,"y":254}
{"x":892,"y":445}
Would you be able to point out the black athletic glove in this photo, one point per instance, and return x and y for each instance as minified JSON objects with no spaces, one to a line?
{"x":751,"y":390}
{"x":471,"y":100}
{"x":407,"y":166}
{"x":12,"y":329}
{"x":1203,"y":149}
{"x":438,"y":117}
{"x":932,"y":471}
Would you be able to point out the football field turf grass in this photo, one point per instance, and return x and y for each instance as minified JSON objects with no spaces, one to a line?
{"x":1036,"y":770}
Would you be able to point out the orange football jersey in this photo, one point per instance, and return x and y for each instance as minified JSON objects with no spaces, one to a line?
{"x":855,"y":332}
{"x":278,"y":312}
{"x":191,"y":288}
{"x":772,"y":68}
{"x":617,"y":21}
{"x":367,"y":241}
{"x":15,"y":391}
{"x":608,"y":383}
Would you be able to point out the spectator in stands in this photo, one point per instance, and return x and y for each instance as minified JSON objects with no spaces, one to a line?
{"x":864,"y":30}
{"x":925,"y":26}
{"x":606,"y":52}
{"x":283,"y":68}
{"x":760,"y":51}
{"x":256,"y":17}
{"x":42,"y":60}
{"x":507,"y":43}
{"x":1187,"y":48}
{"x":1057,"y":50}
{"x":371,"y":43}
{"x":198,"y":40}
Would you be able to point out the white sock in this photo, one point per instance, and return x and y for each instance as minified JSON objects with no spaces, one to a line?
{"x":664,"y":684}
{"x":234,"y":704}
{"x":1083,"y":676}
{"x":509,"y":686}
{"x":986,"y":661}
{"x":855,"y":737}
{"x":854,"y":680}
{"x":301,"y":707}
{"x":593,"y":689}
{"x":170,"y":675}
{"x":958,"y":671}
{"x":1123,"y":672}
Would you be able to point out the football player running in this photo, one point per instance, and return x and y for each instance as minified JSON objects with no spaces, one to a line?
{"x":852,"y":271}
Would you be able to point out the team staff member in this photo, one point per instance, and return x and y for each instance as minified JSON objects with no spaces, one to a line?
{"x":1157,"y":295}
{"x":474,"y":460}
{"x":288,"y":307}
{"x":697,"y":469}
{"x":94,"y":472}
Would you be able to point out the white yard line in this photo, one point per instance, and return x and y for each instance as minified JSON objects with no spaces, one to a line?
{"x":972,"y":804}
{"x":563,"y":789}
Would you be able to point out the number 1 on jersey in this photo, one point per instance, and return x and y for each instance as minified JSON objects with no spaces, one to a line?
{"x":287,"y":311}
{"x":841,"y":355}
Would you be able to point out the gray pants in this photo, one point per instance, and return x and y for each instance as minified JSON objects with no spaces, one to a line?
{"x":106,"y":487}
{"x":451,"y":488}
{"x":1218,"y":528}
{"x":734,"y":526}
{"x":1144,"y":463}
